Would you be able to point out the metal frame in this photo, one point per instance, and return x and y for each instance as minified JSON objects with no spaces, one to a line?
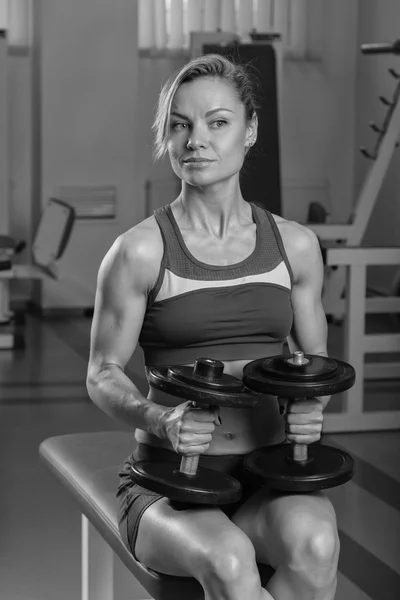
{"x":50,"y":242}
{"x":97,"y":565}
{"x":355,"y":260}
{"x":103,"y":575}
{"x":352,"y":233}
{"x":8,"y":337}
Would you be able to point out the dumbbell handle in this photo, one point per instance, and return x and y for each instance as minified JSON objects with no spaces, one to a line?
{"x":189,"y":465}
{"x":299,"y":451}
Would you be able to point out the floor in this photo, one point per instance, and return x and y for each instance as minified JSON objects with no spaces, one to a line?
{"x":42,"y":394}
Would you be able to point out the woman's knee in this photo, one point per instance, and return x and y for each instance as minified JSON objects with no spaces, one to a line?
{"x":229,"y":559}
{"x":312,"y":546}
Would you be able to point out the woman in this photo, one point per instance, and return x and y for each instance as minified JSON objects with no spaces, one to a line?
{"x":212,"y":275}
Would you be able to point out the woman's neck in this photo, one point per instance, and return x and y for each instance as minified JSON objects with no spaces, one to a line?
{"x":215,"y":211}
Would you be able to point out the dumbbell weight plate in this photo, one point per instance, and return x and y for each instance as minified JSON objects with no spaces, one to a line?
{"x":326,"y":467}
{"x":204,"y":384}
{"x":321,"y":376}
{"x":226,"y":390}
{"x":300,"y":376}
{"x":206,"y":487}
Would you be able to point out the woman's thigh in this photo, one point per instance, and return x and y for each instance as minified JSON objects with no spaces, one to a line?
{"x":275,"y":523}
{"x":179,"y":542}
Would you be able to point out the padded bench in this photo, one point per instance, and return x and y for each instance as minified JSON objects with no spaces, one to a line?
{"x":87,"y":464}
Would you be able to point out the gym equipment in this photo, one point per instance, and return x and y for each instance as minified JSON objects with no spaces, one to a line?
{"x":345,"y":285}
{"x":346,"y":279}
{"x":85,"y":464}
{"x":8,"y":248}
{"x":205,"y":384}
{"x":385,"y":48}
{"x":356,"y":415}
{"x":300,"y":467}
{"x":51,"y":239}
{"x":352,"y":233}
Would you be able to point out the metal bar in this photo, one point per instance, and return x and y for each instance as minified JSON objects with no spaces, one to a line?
{"x":384,"y":370}
{"x":373,"y":182}
{"x":381,"y":342}
{"x":355,"y":255}
{"x":375,"y":305}
{"x":382,"y":305}
{"x":97,"y":564}
{"x":371,"y":421}
{"x":353,"y":333}
{"x":189,"y":464}
{"x":4,"y":301}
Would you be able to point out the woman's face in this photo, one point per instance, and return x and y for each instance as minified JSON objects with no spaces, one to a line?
{"x":208,"y":132}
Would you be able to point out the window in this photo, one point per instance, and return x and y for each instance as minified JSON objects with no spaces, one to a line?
{"x":15,"y":18}
{"x":166,"y":24}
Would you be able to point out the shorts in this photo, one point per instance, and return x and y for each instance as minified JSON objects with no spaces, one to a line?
{"x":134,"y":499}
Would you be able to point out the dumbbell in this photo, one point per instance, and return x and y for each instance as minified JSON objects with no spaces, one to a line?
{"x":204,"y":384}
{"x":300,"y":467}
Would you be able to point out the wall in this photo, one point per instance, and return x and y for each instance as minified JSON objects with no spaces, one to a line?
{"x":20,"y":140}
{"x":88,"y":115}
{"x":317,"y":119}
{"x":83,"y":128}
{"x":378,"y":22}
{"x":98,"y":103}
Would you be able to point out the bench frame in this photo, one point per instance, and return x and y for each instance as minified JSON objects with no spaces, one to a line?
{"x":103,"y":576}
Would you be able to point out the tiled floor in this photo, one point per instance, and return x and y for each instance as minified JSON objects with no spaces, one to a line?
{"x":42,"y":393}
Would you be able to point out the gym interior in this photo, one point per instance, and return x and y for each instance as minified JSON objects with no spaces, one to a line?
{"x":79,"y":82}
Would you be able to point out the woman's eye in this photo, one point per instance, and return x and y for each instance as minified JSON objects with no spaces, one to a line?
{"x":178,"y":126}
{"x":219,"y":123}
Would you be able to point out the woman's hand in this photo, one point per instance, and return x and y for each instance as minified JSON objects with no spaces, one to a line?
{"x":303,"y":419}
{"x":189,"y":429}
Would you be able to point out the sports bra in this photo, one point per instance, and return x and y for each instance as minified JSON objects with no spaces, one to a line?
{"x":235,"y":312}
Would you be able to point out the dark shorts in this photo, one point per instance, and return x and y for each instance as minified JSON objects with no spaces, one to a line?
{"x":134,"y":499}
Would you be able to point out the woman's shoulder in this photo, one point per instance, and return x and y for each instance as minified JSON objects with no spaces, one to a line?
{"x":295,"y":235}
{"x":138,"y":251}
{"x":143,"y":242}
{"x":301,"y":245}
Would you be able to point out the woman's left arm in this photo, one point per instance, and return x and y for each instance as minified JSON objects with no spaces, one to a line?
{"x":309,"y":331}
{"x":304,"y":416}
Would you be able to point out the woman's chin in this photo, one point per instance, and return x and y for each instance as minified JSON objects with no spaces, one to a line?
{"x":200,"y":179}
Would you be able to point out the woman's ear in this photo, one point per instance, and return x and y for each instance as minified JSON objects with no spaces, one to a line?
{"x":252,"y":128}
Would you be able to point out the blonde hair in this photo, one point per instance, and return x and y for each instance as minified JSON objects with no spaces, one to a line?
{"x":209,"y":65}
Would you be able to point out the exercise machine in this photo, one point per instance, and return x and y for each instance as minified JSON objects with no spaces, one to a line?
{"x":352,"y":233}
{"x":49,"y":244}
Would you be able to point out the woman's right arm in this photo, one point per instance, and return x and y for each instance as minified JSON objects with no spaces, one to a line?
{"x":126,"y":275}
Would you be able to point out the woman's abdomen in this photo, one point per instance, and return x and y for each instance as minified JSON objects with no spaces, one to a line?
{"x":241,"y":431}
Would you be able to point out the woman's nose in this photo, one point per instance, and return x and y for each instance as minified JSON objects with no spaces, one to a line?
{"x":197,"y":138}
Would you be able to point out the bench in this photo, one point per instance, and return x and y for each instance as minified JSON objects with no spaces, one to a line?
{"x":87,"y":465}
